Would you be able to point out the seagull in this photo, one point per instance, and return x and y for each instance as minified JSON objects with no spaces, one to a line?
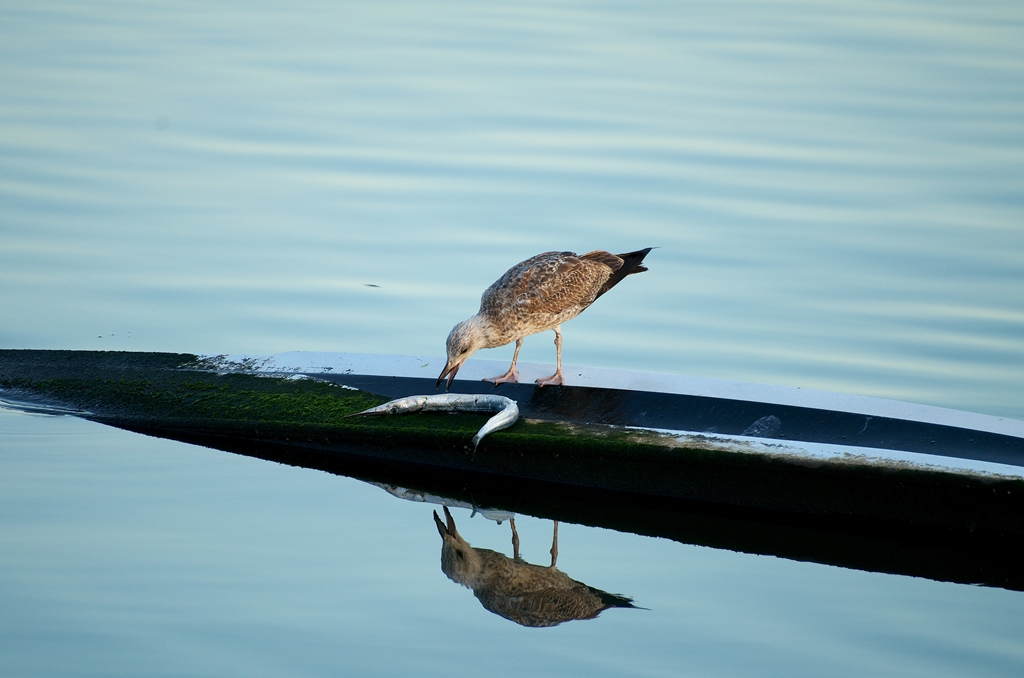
{"x":529,"y":595}
{"x":533,"y":296}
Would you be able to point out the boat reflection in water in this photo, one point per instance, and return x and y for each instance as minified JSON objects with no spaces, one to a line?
{"x":530,"y":595}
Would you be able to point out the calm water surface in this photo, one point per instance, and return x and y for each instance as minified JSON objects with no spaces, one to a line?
{"x":836,"y":188}
{"x":127,"y":555}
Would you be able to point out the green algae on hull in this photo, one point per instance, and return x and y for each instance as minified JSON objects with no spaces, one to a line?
{"x":164,"y":390}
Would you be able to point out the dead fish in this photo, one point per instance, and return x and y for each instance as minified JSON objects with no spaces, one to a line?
{"x":506,"y":408}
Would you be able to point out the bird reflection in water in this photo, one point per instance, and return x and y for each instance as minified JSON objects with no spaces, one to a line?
{"x":530,"y":595}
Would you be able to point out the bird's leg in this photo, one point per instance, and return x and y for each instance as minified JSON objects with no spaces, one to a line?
{"x":515,"y":540}
{"x":512,"y":376}
{"x":556,"y":378}
{"x":554,"y":546}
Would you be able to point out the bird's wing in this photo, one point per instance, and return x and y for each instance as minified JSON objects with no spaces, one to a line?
{"x":556,"y":283}
{"x":505,"y":289}
{"x":610,"y":260}
{"x":544,"y":606}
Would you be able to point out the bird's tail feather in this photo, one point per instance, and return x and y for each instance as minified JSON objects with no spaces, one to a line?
{"x":612,"y":599}
{"x":631,"y":263}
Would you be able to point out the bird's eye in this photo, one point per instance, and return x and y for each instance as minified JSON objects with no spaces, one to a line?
{"x":460,"y":555}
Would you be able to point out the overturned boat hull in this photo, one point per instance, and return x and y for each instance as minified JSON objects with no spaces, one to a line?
{"x":852,"y":481}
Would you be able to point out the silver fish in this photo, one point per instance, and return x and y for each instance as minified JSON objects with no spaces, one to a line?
{"x":506,"y":408}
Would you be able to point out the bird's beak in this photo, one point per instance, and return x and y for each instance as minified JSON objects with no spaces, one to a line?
{"x":441,"y":529}
{"x":449,"y":529}
{"x":451,"y":523}
{"x":449,"y":371}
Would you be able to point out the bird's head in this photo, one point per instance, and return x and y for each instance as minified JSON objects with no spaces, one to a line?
{"x":463,"y":341}
{"x":459,"y":561}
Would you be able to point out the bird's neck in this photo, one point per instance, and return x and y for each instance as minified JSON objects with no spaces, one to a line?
{"x":485,"y":332}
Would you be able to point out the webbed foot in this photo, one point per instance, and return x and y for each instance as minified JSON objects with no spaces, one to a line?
{"x":510,"y":377}
{"x":554,"y":380}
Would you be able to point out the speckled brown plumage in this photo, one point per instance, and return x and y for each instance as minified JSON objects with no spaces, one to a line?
{"x":536,"y":295}
{"x":530,"y":595}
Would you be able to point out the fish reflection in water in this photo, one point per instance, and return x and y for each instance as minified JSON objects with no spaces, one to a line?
{"x":530,"y":595}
